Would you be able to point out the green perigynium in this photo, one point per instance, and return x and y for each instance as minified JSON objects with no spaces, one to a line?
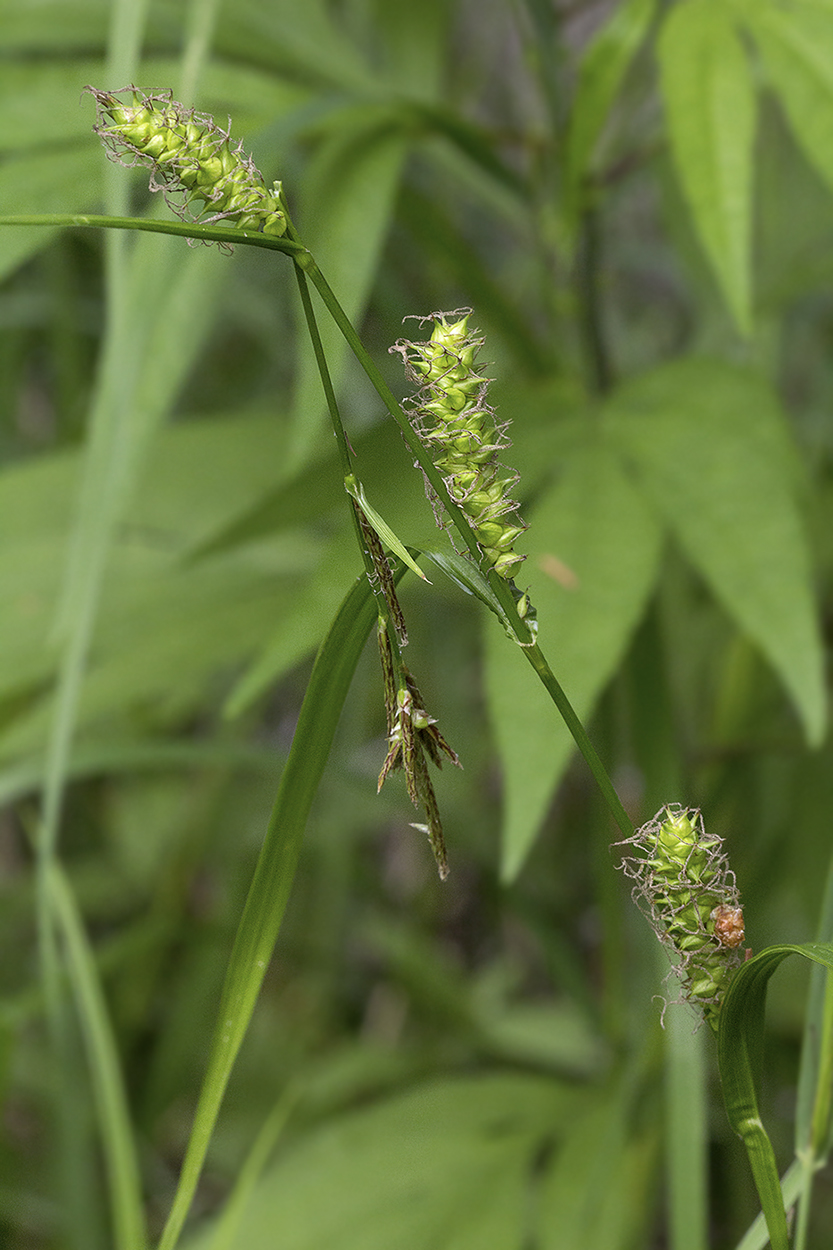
{"x":451,"y":416}
{"x":684,"y":885}
{"x":192,"y":160}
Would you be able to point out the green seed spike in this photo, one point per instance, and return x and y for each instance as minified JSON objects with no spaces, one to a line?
{"x":451,"y":416}
{"x":683,"y":883}
{"x":191,"y":159}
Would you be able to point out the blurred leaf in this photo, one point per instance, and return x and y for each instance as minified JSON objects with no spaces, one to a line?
{"x":603,"y":66}
{"x":593,"y":1193}
{"x":710,"y":104}
{"x":593,"y":553}
{"x":298,"y":625}
{"x":41,"y":101}
{"x":447,"y":1164}
{"x":45,"y":182}
{"x":710,"y":444}
{"x":302,"y":42}
{"x":796,"y":46}
{"x":686,"y":1110}
{"x":348,"y":199}
{"x":53,"y":25}
{"x":167,"y":626}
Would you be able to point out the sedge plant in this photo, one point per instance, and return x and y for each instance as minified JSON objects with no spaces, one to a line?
{"x":681,"y":875}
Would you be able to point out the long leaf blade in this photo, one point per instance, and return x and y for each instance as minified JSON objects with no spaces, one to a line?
{"x":710,"y":106}
{"x":739,"y":1052}
{"x":713,"y":450}
{"x":274,"y":874}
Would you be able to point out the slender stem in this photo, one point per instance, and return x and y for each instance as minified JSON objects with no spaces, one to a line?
{"x":498,"y":584}
{"x":384,"y":608}
{"x":459,"y":519}
{"x":186,"y":229}
{"x":340,"y":435}
{"x":538,"y":661}
{"x":323,"y":370}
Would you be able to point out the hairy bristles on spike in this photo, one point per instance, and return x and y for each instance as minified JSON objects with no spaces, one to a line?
{"x":191,"y":159}
{"x":683,"y":883}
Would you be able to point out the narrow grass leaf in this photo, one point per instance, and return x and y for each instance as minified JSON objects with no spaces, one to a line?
{"x":710,"y":106}
{"x":713,"y":450}
{"x":756,"y":1236}
{"x":603,"y":66}
{"x":380,"y":525}
{"x":740,"y":1058}
{"x":106,"y":1077}
{"x":274,"y":874}
{"x":465,"y":574}
{"x":816,"y":1041}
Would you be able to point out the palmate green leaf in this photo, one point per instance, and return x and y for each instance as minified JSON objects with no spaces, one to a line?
{"x":740,"y":1058}
{"x":796,"y":46}
{"x":593,"y":555}
{"x":603,"y":67}
{"x":710,"y":107}
{"x":447,"y":1164}
{"x":712,"y":448}
{"x":269,"y":892}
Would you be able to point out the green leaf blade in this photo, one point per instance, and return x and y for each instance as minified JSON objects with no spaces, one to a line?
{"x":796,"y":48}
{"x":710,"y":106}
{"x":274,"y":874}
{"x":594,"y":551}
{"x":711,"y":446}
{"x":739,"y":1049}
{"x":603,"y":68}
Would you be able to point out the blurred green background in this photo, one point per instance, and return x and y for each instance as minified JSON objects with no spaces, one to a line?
{"x":635,"y":199}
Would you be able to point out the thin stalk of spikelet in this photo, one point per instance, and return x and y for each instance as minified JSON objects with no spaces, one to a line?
{"x":192,"y":160}
{"x":456,"y":424}
{"x":683,"y":883}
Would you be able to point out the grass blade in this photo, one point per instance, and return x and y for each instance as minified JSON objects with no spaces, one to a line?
{"x":740,"y":1055}
{"x":274,"y":874}
{"x":113,"y":1113}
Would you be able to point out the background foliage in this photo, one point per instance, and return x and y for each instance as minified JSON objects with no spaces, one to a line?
{"x":636,"y":200}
